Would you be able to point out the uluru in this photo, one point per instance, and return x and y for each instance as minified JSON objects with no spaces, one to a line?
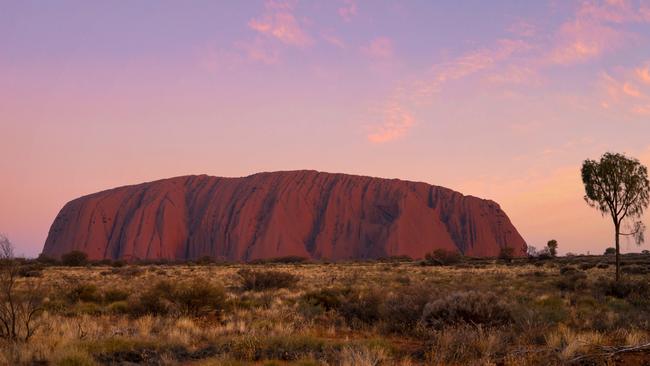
{"x":291,"y":213}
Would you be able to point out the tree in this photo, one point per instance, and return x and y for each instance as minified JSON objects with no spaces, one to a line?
{"x":552,"y":247}
{"x":21,"y":304}
{"x":618,"y":186}
{"x":531,"y":251}
{"x":610,"y":251}
{"x":506,"y":254}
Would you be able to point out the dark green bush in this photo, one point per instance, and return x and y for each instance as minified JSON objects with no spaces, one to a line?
{"x":199,"y":298}
{"x":635,"y":290}
{"x":442,"y":257}
{"x":46,"y":260}
{"x":402,"y":309}
{"x":153,"y":300}
{"x":74,"y":258}
{"x":196,"y":298}
{"x":118,"y":263}
{"x":259,"y":280}
{"x":361,"y":307}
{"x":572,"y":281}
{"x":114,"y":295}
{"x":83,"y":292}
{"x":466,"y":307}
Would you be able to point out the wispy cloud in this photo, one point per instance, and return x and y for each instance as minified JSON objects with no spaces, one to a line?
{"x":379,"y":48}
{"x":348,"y":10}
{"x":258,"y":51}
{"x":333,"y":40}
{"x":465,"y":65}
{"x":626,"y":92}
{"x":279,"y":22}
{"x":643,"y":74}
{"x":396,"y":122}
{"x":596,"y":30}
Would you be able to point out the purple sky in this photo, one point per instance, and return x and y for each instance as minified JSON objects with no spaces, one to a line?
{"x":498,"y":99}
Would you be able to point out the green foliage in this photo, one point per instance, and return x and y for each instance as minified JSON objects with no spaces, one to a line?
{"x":83,"y":292}
{"x":74,"y":258}
{"x":199,"y":298}
{"x":113,"y":295}
{"x":506,"y":254}
{"x":442,"y":257}
{"x":618,"y":185}
{"x":552,"y":247}
{"x":467,"y":307}
{"x":196,"y":298}
{"x":259,"y":280}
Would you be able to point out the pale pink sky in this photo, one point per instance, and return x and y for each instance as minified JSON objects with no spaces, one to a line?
{"x":501,"y":100}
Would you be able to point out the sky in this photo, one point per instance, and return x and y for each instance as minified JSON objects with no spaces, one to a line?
{"x":495,"y":99}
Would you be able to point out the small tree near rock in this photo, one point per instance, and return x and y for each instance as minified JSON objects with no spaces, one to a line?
{"x":552,"y":247}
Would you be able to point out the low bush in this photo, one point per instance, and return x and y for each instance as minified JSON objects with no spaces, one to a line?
{"x":466,"y":307}
{"x":289,"y":259}
{"x":83,"y":292}
{"x":442,"y":257}
{"x":637,"y":291}
{"x":74,"y":258}
{"x":402,"y":309}
{"x":357,"y":307}
{"x":572,"y":281}
{"x":199,"y":298}
{"x":587,"y":266}
{"x":196,"y":298}
{"x":635,"y":269}
{"x":259,"y":280}
{"x":31,"y":270}
{"x":114,"y":295}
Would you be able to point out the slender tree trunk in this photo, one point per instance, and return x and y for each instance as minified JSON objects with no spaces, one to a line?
{"x":617,"y":228}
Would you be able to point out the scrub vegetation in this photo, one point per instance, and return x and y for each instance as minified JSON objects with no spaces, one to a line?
{"x":440,"y":311}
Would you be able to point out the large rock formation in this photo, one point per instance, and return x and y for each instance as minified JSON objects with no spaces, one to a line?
{"x":266,"y":215}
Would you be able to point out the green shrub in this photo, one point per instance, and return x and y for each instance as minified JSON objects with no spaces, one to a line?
{"x":289,"y":259}
{"x":196,"y":298}
{"x":83,"y":292}
{"x":119,"y":307}
{"x":74,"y":258}
{"x":263,"y":280}
{"x":152,"y":300}
{"x":466,"y":307}
{"x":199,"y":298}
{"x":115,"y":294}
{"x":361,"y":307}
{"x":442,"y":257}
{"x":635,"y":290}
{"x":587,"y":266}
{"x":118,"y":263}
{"x":571,"y":281}
{"x":46,"y":260}
{"x":402,"y":309}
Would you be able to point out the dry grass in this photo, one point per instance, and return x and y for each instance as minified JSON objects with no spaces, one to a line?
{"x":398,"y":313}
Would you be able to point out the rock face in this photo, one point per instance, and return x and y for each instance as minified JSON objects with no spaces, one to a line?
{"x":267,"y":215}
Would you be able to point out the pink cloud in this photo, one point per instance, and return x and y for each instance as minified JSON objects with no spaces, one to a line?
{"x":643,"y":74}
{"x":465,"y":65}
{"x":348,"y":10}
{"x":595,"y":30}
{"x":396,"y":123}
{"x":581,"y":40}
{"x":379,"y":48}
{"x":334,"y":41}
{"x":258,"y":51}
{"x":622,"y":94}
{"x":279,"y":22}
{"x":523,"y":28}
